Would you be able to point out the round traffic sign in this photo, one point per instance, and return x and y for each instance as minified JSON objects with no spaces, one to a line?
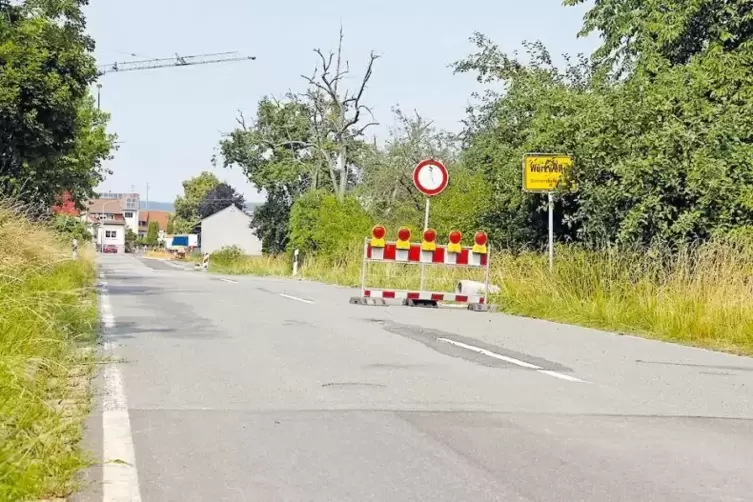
{"x":430,"y":177}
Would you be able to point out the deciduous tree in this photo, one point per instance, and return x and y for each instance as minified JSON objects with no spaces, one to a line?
{"x":152,"y":234}
{"x":274,"y":152}
{"x":339,"y":116}
{"x":195,"y":189}
{"x":53,"y":139}
{"x":218,"y":198}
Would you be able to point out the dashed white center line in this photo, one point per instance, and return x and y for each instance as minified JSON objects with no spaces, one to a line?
{"x":119,"y":474}
{"x":289,"y":297}
{"x":228,"y":280}
{"x":512,"y":360}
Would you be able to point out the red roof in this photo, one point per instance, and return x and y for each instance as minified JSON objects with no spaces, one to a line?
{"x":66,"y":205}
{"x":160,"y":217}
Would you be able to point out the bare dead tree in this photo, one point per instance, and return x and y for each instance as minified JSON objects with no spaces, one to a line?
{"x":337,"y":116}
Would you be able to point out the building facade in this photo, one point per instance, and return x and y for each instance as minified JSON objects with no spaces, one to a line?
{"x":229,"y":227}
{"x":111,"y":233}
{"x":130,"y":203}
{"x":161,"y":217}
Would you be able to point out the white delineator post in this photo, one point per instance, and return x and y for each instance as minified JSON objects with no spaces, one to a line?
{"x":205,"y":262}
{"x":551,"y":231}
{"x":295,"y":263}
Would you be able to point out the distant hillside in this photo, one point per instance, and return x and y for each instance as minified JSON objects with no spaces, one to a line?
{"x":158,"y":206}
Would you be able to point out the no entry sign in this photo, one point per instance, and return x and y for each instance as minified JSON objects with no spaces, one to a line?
{"x":430,"y":177}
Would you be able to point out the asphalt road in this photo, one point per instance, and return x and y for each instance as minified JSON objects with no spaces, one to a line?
{"x":243,"y":389}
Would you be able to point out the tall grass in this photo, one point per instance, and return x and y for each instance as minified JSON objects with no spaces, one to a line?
{"x":701,"y":295}
{"x":47,"y":314}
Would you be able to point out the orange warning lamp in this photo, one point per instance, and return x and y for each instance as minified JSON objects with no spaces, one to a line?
{"x":377,"y":236}
{"x":403,"y":238}
{"x":430,"y":240}
{"x":480,"y":240}
{"x":454,"y":245}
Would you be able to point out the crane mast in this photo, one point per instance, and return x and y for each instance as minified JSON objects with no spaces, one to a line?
{"x":151,"y":64}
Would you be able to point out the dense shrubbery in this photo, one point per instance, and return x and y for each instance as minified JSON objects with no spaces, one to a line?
{"x":660,"y":124}
{"x":320,"y":224}
{"x":71,"y":228}
{"x":227,"y":255}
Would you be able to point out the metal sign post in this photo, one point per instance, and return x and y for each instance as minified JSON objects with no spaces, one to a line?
{"x":430,"y":178}
{"x":542,"y":172}
{"x":551,"y":230}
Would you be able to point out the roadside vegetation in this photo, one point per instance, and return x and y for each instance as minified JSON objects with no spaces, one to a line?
{"x":654,"y":223}
{"x":53,"y":143}
{"x":48,"y":320}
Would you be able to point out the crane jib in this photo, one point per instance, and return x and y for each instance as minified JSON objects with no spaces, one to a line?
{"x":151,"y":64}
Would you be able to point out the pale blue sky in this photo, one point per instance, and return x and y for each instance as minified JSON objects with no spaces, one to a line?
{"x":170,"y":120}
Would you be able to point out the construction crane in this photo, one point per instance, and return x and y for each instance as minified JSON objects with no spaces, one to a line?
{"x":178,"y":60}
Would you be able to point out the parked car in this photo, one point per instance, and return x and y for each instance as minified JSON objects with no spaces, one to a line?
{"x":110,"y":248}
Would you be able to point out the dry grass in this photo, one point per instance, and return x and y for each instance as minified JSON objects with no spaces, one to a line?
{"x":47,"y":315}
{"x":699,"y":296}
{"x":159,"y":253}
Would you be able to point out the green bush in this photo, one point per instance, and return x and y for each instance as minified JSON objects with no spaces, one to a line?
{"x":227,"y":255}
{"x":152,"y":234}
{"x":321,"y":224}
{"x":71,"y":228}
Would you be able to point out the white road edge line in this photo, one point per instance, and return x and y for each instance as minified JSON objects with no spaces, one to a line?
{"x":228,"y":280}
{"x":512,"y":360}
{"x":289,"y":297}
{"x":119,"y":474}
{"x":562,"y":376}
{"x":489,"y":353}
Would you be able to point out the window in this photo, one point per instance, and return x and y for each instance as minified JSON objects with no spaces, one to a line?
{"x":111,"y":234}
{"x":128,"y":215}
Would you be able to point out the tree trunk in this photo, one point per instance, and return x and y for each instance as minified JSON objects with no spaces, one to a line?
{"x":342,"y":167}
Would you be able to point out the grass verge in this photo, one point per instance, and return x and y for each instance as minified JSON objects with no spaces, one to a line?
{"x":701,"y":295}
{"x":48,"y":318}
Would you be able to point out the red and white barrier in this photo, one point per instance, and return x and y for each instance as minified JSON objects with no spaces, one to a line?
{"x":426,"y":253}
{"x":423,"y":295}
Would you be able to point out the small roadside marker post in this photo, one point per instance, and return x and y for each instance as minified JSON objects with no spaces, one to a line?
{"x":295,"y":263}
{"x":542,"y":172}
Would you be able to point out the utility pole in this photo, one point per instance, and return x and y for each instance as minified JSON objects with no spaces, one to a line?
{"x":99,"y":100}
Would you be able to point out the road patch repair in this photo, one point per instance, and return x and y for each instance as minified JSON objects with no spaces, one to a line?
{"x":476,"y":351}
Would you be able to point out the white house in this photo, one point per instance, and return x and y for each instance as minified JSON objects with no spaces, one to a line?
{"x":111,"y":233}
{"x":229,"y":227}
{"x":129,"y":204}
